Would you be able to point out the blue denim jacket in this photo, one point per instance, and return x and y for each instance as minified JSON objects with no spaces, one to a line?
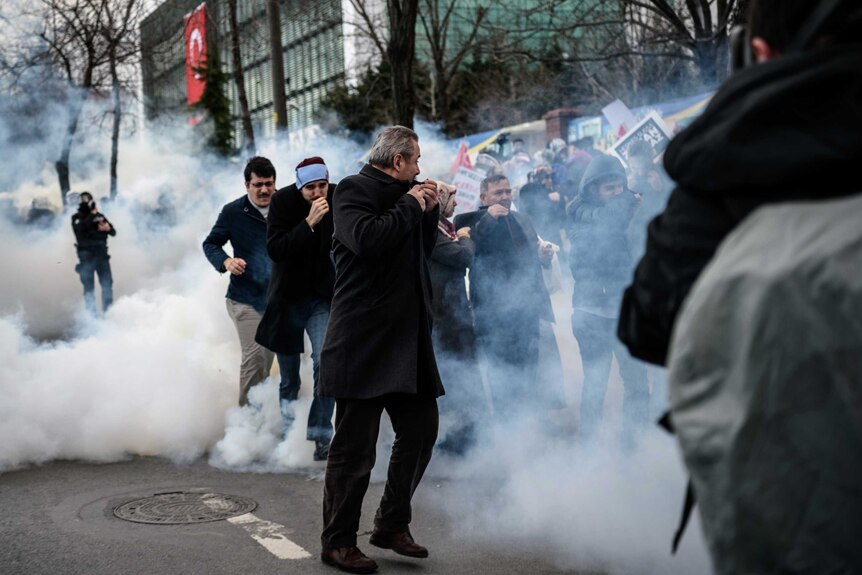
{"x":241,"y":224}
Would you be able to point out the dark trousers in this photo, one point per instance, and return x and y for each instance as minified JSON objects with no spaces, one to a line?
{"x":352,"y":455}
{"x":90,"y":264}
{"x":509,"y":347}
{"x":598,"y":343}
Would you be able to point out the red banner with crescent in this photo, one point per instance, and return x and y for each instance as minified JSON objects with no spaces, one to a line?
{"x":196,"y":52}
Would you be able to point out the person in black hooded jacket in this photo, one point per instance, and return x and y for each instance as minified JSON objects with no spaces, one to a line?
{"x":788,"y":128}
{"x":601,"y":263}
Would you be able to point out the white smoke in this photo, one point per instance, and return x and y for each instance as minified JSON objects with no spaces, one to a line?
{"x":158,"y":374}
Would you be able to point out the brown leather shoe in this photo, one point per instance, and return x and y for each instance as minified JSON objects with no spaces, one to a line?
{"x":349,"y":559}
{"x":402,"y":543}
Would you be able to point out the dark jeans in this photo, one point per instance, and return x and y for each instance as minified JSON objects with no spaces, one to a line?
{"x":352,"y":455}
{"x":90,"y":263}
{"x":597,"y":341}
{"x":310,"y":314}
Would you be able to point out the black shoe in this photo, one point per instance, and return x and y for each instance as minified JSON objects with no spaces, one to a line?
{"x":321,"y":450}
{"x":402,"y":543}
{"x":349,"y":559}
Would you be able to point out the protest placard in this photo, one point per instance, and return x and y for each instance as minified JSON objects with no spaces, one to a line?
{"x":467,"y":182}
{"x":652,"y":129}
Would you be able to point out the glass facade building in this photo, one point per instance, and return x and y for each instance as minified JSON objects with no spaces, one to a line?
{"x":313,"y":55}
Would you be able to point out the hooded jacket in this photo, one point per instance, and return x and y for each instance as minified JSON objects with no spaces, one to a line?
{"x":600,"y":259}
{"x":785,"y":130}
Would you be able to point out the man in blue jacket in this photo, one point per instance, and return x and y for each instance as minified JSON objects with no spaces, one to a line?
{"x":242,"y":222}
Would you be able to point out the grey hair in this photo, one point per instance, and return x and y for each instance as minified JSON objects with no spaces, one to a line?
{"x":391,"y":142}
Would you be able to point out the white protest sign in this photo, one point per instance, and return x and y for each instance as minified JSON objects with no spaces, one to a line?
{"x":618,"y":114}
{"x":651,"y":129}
{"x":467,"y":183}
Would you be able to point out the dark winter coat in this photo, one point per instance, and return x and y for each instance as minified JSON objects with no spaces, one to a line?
{"x":242,"y":224}
{"x":88,"y":238}
{"x":453,"y":317}
{"x":506,"y":281}
{"x":302,"y":267}
{"x":546,"y":214}
{"x":378,"y":339}
{"x":786,"y":130}
{"x":600,"y":257}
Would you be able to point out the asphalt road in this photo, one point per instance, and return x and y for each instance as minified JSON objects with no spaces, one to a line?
{"x":58,"y":518}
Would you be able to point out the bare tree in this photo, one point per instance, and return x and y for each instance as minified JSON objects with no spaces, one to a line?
{"x":120,"y":20}
{"x":239,"y":79}
{"x":395,"y":39}
{"x":401,"y":51}
{"x":447,"y":52}
{"x":700,"y":27}
{"x":634,"y":33}
{"x":74,"y":44}
{"x":86,"y":45}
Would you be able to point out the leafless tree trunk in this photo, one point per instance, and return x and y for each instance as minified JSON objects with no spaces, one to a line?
{"x":276,"y":57}
{"x":436,"y":20}
{"x":117,"y":119}
{"x":85,"y":44}
{"x":397,"y":45}
{"x":76,"y":104}
{"x":120,"y":22}
{"x":73,"y":41}
{"x":239,"y":80}
{"x":401,"y":52}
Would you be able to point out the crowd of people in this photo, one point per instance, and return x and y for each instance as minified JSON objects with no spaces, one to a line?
{"x":445,"y":321}
{"x":401,"y":298}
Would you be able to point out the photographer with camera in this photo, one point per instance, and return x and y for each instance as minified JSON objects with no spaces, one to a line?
{"x":91,"y":241}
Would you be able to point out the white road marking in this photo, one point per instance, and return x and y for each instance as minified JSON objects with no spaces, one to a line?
{"x":271,"y":535}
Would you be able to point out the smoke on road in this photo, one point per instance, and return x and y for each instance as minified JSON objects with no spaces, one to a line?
{"x":158,"y":374}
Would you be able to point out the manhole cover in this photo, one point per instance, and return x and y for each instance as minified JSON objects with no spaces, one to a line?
{"x":180,"y":507}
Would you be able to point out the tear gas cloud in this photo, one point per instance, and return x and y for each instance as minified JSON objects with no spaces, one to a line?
{"x":158,"y":374}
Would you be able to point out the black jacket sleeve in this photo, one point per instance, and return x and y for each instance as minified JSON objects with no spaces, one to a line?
{"x":284,"y":237}
{"x":429,"y":230}
{"x":364,"y":231}
{"x":680,"y":243}
{"x":457,"y":255}
{"x":214,"y":243}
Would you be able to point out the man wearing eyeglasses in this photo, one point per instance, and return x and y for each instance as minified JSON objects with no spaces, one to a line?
{"x":242,"y":222}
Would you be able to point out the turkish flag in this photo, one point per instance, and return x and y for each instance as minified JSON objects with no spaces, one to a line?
{"x":195,"y":24}
{"x":461,"y":160}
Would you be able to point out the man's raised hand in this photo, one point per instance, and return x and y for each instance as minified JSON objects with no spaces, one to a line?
{"x":498,"y":211}
{"x":319,"y":208}
{"x":430,"y":189}
{"x":419,"y":193}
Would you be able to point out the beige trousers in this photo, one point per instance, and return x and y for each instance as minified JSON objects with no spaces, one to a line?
{"x":256,"y":359}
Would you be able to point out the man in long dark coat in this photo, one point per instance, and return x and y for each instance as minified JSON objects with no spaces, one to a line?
{"x":378,"y":354}
{"x":508,"y":295}
{"x":298,"y":240}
